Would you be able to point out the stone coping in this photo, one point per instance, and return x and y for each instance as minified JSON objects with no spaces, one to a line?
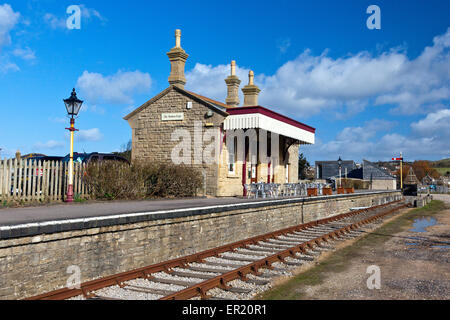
{"x":56,"y":226}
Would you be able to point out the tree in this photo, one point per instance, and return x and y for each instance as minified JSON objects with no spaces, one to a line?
{"x":125,"y":150}
{"x":423,"y":168}
{"x":405,"y":171}
{"x":303,"y":165}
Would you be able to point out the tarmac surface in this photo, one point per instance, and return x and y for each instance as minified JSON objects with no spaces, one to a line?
{"x":13,"y":216}
{"x":61,"y":212}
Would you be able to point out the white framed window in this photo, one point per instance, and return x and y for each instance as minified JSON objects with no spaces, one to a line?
{"x":232,"y":157}
{"x":231,"y":164}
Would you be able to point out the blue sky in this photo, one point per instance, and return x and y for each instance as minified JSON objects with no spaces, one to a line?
{"x":369,"y":93}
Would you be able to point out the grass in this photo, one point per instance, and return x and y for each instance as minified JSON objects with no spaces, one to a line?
{"x":443,"y":171}
{"x":441,"y":163}
{"x":341,"y":260}
{"x":78,"y":198}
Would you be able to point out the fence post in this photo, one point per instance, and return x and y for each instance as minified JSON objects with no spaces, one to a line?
{"x":51,"y":180}
{"x":20,"y":180}
{"x":1,"y":179}
{"x":9,"y":178}
{"x":47,"y":176}
{"x":27,"y":181}
{"x":14,"y":179}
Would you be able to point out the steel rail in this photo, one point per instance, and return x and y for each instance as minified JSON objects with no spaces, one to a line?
{"x":242,"y":272}
{"x":86,"y":289}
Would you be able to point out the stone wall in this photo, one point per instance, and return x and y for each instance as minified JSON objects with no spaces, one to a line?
{"x":37,"y":264}
{"x":152,"y":138}
{"x":384,"y":184}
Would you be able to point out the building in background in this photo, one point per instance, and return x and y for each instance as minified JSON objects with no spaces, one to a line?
{"x":378,"y":178}
{"x":326,"y":170}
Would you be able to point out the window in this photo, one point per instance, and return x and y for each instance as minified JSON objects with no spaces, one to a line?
{"x":232,"y":155}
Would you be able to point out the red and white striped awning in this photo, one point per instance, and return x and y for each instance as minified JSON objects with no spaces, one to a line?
{"x":262,"y":118}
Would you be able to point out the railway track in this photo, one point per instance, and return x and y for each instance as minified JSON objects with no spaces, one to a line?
{"x":235,"y":271}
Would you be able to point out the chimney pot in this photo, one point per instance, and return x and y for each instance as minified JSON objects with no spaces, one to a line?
{"x":233,"y":68}
{"x":233,"y":83}
{"x":178,"y":38}
{"x":177,"y":57}
{"x":251,"y":78}
{"x":251,"y":91}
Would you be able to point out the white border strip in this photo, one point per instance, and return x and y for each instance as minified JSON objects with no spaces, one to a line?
{"x":129,"y":215}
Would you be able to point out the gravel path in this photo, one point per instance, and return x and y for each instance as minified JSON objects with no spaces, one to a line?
{"x":413,"y":266}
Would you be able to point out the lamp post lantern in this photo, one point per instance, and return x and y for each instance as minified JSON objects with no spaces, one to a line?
{"x":340,"y":173}
{"x":73,"y":106}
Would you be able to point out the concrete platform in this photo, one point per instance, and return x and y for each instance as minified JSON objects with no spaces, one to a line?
{"x":28,"y":221}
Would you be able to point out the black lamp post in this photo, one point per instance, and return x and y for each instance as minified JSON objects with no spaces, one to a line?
{"x":73,"y":106}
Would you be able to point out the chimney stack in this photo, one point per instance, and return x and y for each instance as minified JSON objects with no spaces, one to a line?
{"x":177,"y":57}
{"x":251,"y":91}
{"x":233,"y":83}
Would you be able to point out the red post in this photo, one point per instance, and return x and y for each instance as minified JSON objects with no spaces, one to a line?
{"x":72,"y":129}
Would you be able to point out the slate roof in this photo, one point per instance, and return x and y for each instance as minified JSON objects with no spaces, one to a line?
{"x":369,"y":171}
{"x":331,"y":168}
{"x":372,"y":172}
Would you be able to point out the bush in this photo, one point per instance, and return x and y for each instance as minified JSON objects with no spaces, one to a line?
{"x":114,"y":180}
{"x":355,"y":183}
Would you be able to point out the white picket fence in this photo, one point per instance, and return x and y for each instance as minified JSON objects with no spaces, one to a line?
{"x":31,"y":180}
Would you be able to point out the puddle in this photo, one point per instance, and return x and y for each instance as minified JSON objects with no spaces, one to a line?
{"x":420,"y":225}
{"x":442,"y":247}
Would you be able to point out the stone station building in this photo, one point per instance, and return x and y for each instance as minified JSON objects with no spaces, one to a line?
{"x":230,"y":145}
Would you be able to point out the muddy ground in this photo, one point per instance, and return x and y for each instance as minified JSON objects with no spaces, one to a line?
{"x":413,"y":265}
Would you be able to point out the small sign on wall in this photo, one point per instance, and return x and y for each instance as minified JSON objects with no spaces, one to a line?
{"x":172,"y":116}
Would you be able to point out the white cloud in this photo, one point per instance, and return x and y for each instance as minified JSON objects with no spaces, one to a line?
{"x":89,"y":135}
{"x":428,"y":139}
{"x":90,"y":13}
{"x":117,"y":88}
{"x":7,"y":66}
{"x":309,"y":84}
{"x":209,"y":81}
{"x":283,"y":45}
{"x":6,"y":152}
{"x":366,"y":132}
{"x":435,"y":124}
{"x":87,"y":15}
{"x":59,"y":119}
{"x":8,"y":19}
{"x":51,"y":144}
{"x":25,"y":54}
{"x":55,"y":22}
